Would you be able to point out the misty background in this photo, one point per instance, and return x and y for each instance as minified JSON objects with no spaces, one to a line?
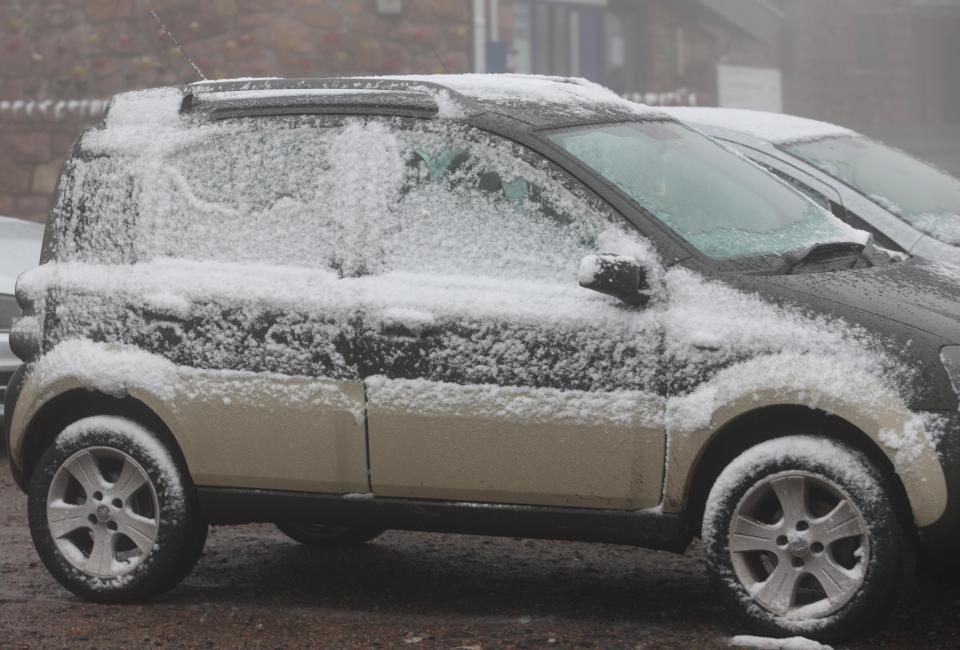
{"x":888,"y":68}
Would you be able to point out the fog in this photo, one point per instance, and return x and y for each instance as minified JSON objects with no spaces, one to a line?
{"x":884,"y":67}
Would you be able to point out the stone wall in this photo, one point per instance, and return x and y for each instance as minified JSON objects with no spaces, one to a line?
{"x":58,"y":55}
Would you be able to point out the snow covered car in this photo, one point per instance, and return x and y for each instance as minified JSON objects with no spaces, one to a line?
{"x":19,"y":251}
{"x":497,"y":305}
{"x":907,"y":204}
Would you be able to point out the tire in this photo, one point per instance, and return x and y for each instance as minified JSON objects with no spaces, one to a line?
{"x":323,"y":536}
{"x":801,"y":538}
{"x":129,"y":528}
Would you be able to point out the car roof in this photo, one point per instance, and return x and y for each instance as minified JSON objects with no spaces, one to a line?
{"x":772,"y":128}
{"x":19,"y":249}
{"x":538,"y":101}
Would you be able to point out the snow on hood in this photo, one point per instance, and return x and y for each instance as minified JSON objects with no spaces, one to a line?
{"x":775,"y":128}
{"x":918,"y":293}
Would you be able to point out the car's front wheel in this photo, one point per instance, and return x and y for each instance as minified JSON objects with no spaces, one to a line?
{"x":801,"y":538}
{"x":113,"y":515}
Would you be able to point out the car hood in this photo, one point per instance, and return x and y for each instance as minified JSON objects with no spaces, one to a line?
{"x":920,"y":294}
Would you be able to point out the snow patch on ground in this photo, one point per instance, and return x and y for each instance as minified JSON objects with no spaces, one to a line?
{"x":767,"y":643}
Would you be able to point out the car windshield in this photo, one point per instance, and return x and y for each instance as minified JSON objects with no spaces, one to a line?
{"x":915,"y":191}
{"x":720,"y":203}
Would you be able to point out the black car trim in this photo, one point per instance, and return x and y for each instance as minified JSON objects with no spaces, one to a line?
{"x":650,"y":529}
{"x":9,"y":403}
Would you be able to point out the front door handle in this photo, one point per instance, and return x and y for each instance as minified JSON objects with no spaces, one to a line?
{"x":407,"y":323}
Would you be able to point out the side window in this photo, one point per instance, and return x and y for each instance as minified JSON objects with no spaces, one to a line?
{"x":308,"y":191}
{"x":365,"y":196}
{"x":495,"y":208}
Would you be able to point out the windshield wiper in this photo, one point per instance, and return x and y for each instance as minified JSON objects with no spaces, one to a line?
{"x":824,"y":252}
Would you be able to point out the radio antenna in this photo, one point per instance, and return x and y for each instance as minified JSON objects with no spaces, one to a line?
{"x":443,"y":66}
{"x":177,"y":44}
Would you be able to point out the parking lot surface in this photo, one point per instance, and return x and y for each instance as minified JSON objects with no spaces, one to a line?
{"x":254,"y":588}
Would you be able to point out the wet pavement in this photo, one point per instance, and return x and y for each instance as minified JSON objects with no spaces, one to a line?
{"x":254,"y":588}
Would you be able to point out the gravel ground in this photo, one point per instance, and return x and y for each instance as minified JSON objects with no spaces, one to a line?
{"x":254,"y":588}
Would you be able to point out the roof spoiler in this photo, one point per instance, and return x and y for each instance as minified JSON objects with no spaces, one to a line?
{"x":370,"y":93}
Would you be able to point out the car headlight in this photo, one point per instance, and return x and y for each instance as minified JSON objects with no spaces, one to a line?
{"x":950,"y":357}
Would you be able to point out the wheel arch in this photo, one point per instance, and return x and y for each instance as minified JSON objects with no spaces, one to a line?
{"x":776,"y":421}
{"x":57,"y":413}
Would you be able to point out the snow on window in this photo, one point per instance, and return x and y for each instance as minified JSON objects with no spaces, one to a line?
{"x":724,"y":206}
{"x":434,"y":197}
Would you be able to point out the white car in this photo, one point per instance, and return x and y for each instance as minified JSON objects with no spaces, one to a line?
{"x":19,"y":251}
{"x":907,"y":204}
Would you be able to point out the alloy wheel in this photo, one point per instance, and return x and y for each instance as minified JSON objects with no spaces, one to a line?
{"x":799,"y":545}
{"x":102,"y":512}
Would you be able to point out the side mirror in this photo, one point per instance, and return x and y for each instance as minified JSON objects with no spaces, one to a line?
{"x":615,"y":275}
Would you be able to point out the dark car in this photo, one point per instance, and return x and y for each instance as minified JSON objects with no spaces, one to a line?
{"x":350,"y":305}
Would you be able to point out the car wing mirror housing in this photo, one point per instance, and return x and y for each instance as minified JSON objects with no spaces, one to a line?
{"x":619,"y":276}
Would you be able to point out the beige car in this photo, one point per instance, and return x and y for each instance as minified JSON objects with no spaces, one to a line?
{"x":490,"y":305}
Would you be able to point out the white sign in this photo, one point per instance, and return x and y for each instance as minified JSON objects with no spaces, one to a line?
{"x":390,"y":7}
{"x":760,"y":89}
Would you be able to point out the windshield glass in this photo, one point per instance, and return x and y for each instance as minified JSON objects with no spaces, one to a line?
{"x":920,"y":194}
{"x":723,"y":205}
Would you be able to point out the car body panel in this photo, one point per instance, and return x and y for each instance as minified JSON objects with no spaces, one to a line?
{"x":919,"y":470}
{"x":306,"y":447}
{"x":530,"y":456}
{"x":301,"y":434}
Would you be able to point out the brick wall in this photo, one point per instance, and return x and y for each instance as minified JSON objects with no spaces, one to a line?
{"x":57,"y":53}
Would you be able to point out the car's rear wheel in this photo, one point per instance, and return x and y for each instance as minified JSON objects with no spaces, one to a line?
{"x":801,"y":538}
{"x":113,"y":516}
{"x":323,"y":535}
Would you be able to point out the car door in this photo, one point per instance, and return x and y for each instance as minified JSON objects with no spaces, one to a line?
{"x":492,"y":376}
{"x":239,"y":282}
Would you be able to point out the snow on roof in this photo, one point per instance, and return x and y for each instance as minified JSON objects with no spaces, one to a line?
{"x":286,"y":92}
{"x":574,"y":95}
{"x":527,"y":88}
{"x":775,"y":128}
